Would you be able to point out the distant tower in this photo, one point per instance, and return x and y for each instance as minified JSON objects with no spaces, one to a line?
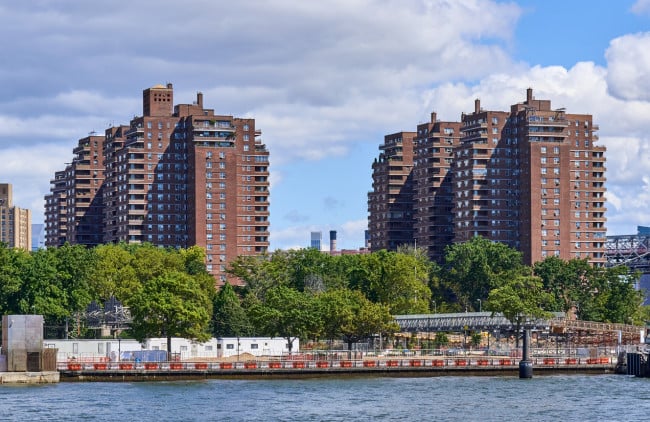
{"x":332,"y":240}
{"x":316,"y":240}
{"x":15,"y":222}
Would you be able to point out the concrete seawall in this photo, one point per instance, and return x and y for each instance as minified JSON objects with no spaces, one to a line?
{"x":48,"y":377}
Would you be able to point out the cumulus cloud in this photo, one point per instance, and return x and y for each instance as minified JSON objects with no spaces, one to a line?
{"x":628,"y":63}
{"x":318,"y":77}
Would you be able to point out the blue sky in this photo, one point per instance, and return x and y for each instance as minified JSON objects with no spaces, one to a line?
{"x":325,"y":81}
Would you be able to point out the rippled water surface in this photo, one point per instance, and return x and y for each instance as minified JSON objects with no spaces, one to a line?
{"x":543,"y":398}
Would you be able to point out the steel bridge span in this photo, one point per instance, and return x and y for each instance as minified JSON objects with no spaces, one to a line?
{"x":485,"y":321}
{"x":632,"y":251}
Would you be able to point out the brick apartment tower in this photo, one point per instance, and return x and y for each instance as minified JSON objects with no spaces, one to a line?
{"x":15,"y":222}
{"x":56,"y":220}
{"x":73,"y":208}
{"x":433,"y":200}
{"x":390,"y":203}
{"x":180,"y":175}
{"x":531,"y":178}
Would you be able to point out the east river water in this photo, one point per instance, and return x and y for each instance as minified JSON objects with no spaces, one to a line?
{"x":543,"y":398}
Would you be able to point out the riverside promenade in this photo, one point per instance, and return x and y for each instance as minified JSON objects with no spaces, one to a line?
{"x":257,"y":369}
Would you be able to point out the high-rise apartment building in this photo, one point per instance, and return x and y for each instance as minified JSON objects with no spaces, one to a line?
{"x":390,"y":203}
{"x":433,"y":196}
{"x":15,"y":222}
{"x":177,"y":176}
{"x":531,"y":178}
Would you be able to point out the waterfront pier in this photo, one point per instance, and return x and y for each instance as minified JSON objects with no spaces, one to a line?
{"x":302,"y":366}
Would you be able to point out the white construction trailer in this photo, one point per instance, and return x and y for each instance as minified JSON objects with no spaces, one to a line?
{"x":152,"y":349}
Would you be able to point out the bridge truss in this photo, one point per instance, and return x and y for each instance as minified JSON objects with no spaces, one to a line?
{"x":632,"y":251}
{"x":458,"y":322}
{"x":484,"y":321}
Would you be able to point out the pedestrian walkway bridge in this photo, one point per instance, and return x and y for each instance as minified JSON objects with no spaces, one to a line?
{"x":485,"y":321}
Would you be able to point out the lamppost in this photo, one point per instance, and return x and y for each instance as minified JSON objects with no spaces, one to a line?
{"x":435,"y":309}
{"x":479,"y":305}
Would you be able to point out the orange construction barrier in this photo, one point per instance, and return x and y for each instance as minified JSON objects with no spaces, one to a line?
{"x":225,"y":365}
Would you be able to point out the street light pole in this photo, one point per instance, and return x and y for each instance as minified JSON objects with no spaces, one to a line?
{"x":479,"y":305}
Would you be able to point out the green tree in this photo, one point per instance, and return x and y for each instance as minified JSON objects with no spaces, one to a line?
{"x":172,"y":304}
{"x":594,"y":293}
{"x":12,"y":263}
{"x":441,"y":340}
{"x":229,"y":319}
{"x":565,"y":280}
{"x":43,"y":292}
{"x":475,"y":339}
{"x":611,"y":296}
{"x":349,"y":315}
{"x":75,"y":265}
{"x":261,"y":272}
{"x":474,"y":268}
{"x":113,"y":274}
{"x":286,"y":313}
{"x":395,"y":279}
{"x":520,"y":299}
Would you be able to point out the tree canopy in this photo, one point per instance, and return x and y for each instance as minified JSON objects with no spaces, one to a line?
{"x":172,"y":304}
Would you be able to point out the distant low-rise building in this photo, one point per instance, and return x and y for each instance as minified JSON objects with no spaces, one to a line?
{"x":15,"y":222}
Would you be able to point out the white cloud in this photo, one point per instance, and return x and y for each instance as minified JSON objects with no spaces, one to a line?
{"x":318,"y":77}
{"x":641,"y":7}
{"x":29,"y":169}
{"x":628,"y":62}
